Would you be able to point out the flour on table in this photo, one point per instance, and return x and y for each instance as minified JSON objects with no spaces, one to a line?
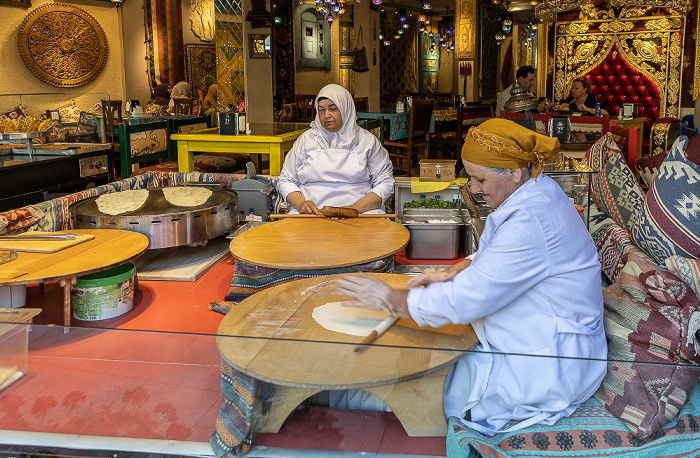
{"x":186,"y":196}
{"x":347,"y":320}
{"x":116,"y":203}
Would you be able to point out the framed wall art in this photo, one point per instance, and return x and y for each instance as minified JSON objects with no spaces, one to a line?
{"x":259,"y":46}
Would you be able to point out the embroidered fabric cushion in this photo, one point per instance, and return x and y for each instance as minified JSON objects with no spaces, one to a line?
{"x":669,"y":223}
{"x":648,"y":166}
{"x":69,"y":112}
{"x":597,"y":155}
{"x":616,"y":191}
{"x":652,"y":365}
{"x":687,"y":270}
{"x":611,"y":241}
{"x":589,"y":432}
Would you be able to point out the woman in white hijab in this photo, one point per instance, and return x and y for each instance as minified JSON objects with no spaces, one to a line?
{"x":180,"y":90}
{"x":336,"y":163}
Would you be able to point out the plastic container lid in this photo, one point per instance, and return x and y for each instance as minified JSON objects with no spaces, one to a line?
{"x":107,"y":277}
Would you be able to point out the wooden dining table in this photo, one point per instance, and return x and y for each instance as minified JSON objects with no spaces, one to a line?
{"x":274,"y":139}
{"x":272,"y":337}
{"x":108,"y":248}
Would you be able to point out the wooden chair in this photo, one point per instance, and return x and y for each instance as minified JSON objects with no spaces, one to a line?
{"x":583,"y":121}
{"x":361,"y":104}
{"x":453,"y":139}
{"x":183,"y":105}
{"x":626,"y":139}
{"x":178,"y":126}
{"x":142,"y":143}
{"x":540,"y":121}
{"x":112,"y":115}
{"x":305,"y":110}
{"x":418,"y":134}
{"x":376,"y":126}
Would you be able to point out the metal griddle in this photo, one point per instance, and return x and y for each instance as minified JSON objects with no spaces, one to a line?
{"x":164,"y":224}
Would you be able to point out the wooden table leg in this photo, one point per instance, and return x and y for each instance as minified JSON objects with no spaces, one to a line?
{"x":417,"y":403}
{"x":285,"y":400}
{"x":66,"y":284}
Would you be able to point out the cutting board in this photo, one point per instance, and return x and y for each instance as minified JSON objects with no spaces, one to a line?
{"x":319,"y":243}
{"x":43,"y":246}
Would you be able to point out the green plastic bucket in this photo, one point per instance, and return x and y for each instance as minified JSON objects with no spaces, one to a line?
{"x":105,"y":294}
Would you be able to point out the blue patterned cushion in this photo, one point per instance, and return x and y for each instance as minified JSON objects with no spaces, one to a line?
{"x":591,"y":431}
{"x":669,"y":223}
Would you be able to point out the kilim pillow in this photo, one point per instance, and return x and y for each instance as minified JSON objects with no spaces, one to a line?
{"x":598,"y":154}
{"x":687,"y":270}
{"x":652,"y":364}
{"x":669,"y":223}
{"x":69,"y":112}
{"x":648,"y":166}
{"x":616,"y":191}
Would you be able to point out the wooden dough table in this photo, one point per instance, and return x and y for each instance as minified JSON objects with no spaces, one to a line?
{"x":108,"y":249}
{"x":319,"y":243}
{"x":273,"y":337}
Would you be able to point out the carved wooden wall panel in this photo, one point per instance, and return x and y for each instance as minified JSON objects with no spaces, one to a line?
{"x":62,"y":45}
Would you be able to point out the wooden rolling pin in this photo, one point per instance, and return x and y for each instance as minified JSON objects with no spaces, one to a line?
{"x":333,"y":212}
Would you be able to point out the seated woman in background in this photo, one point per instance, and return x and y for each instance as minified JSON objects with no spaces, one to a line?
{"x":180,"y":90}
{"x":161,"y":94}
{"x":210,"y":102}
{"x":336,"y":162}
{"x":581,"y":99}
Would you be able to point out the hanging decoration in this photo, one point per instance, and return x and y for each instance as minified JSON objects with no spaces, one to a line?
{"x":333,"y":9}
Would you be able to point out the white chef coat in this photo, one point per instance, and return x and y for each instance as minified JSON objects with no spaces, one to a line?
{"x":337,"y":177}
{"x":533,"y":288}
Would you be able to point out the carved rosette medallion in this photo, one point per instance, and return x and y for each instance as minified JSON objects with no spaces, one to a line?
{"x":62,"y":45}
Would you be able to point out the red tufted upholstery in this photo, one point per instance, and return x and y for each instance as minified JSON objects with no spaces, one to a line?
{"x":615,"y":81}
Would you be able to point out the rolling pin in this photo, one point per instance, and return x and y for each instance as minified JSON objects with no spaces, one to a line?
{"x":333,"y":212}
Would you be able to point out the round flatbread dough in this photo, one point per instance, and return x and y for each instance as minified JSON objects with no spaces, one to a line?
{"x":348,"y":320}
{"x":186,"y":196}
{"x":116,"y":203}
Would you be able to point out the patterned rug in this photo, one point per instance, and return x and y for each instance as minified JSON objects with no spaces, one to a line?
{"x":200,"y":63}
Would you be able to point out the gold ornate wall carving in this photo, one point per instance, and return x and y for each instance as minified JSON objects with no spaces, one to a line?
{"x":651,"y":44}
{"x":466,"y":29}
{"x":62,"y":45}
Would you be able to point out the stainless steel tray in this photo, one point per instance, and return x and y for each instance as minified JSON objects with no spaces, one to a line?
{"x":22,"y":135}
{"x":438,"y":212}
{"x":423,"y":220}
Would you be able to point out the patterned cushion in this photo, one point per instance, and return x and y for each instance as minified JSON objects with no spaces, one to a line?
{"x":611,"y":242}
{"x":597,"y":155}
{"x":669,"y":223}
{"x":687,"y":270}
{"x":149,"y":142}
{"x":648,"y":166}
{"x":652,"y":365}
{"x":589,"y":432}
{"x":69,"y":112}
{"x":20,"y":218}
{"x":616,"y":191}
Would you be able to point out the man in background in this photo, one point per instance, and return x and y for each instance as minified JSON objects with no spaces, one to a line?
{"x":525,"y":76}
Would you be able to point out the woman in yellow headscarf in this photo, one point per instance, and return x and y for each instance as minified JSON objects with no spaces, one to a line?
{"x":531,"y":292}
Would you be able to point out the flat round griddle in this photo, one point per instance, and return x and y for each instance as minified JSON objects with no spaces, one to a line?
{"x":165,"y":225}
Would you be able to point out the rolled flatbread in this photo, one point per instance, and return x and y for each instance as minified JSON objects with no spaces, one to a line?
{"x":348,"y":320}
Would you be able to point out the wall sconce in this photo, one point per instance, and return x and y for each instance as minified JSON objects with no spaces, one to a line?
{"x":117,"y":3}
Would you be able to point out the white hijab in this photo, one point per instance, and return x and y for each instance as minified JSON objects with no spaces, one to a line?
{"x":181,"y":89}
{"x":348,"y":135}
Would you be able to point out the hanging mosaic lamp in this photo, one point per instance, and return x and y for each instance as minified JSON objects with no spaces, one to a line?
{"x":496,"y":2}
{"x":381,"y":36}
{"x":535,"y":26}
{"x":426,"y":5}
{"x":402,"y":15}
{"x":405,"y":25}
{"x":400,"y":32}
{"x":278,"y":20}
{"x":318,"y":2}
{"x":377,"y":3}
{"x":336,"y":8}
{"x":532,"y":33}
{"x":507,"y":25}
{"x":387,"y":43}
{"x":330,"y":18}
{"x":422,"y":17}
{"x":443,"y":44}
{"x":452,"y":47}
{"x":431,"y":49}
{"x":421,"y":29}
{"x":397,"y":36}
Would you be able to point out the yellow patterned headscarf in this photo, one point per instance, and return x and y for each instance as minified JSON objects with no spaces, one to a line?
{"x":505,"y":144}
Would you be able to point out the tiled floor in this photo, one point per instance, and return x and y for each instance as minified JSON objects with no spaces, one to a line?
{"x":153,"y":373}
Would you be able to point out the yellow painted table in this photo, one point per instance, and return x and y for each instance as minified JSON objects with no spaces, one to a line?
{"x":274,"y":139}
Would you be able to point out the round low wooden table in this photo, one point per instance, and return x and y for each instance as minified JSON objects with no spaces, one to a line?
{"x":273,"y":337}
{"x":108,"y":249}
{"x":319,"y":243}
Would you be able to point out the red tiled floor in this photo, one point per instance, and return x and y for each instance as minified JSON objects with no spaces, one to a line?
{"x":104,"y":379}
